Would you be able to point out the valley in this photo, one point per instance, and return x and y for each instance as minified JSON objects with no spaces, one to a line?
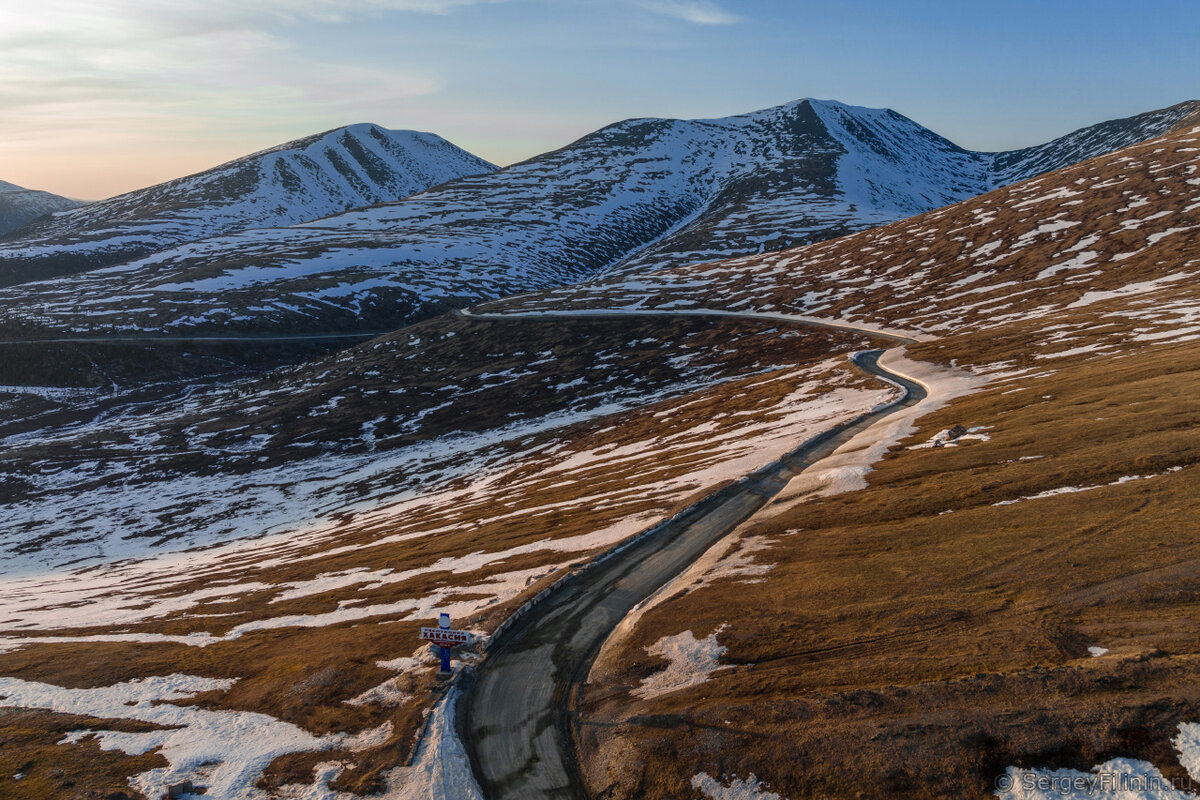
{"x":631,"y":197}
{"x":240,"y":471}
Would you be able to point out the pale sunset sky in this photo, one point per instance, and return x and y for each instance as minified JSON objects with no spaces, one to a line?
{"x":99,"y":97}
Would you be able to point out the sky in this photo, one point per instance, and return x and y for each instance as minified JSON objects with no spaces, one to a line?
{"x":99,"y":97}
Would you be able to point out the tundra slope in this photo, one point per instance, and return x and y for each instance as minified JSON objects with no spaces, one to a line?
{"x":281,"y":541}
{"x":638,"y":194}
{"x":1050,"y":244}
{"x":316,"y":619}
{"x":1016,"y":603}
{"x":19,"y":206}
{"x":302,"y":180}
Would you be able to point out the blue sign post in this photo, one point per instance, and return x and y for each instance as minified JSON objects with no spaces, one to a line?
{"x":446,"y":639}
{"x":444,"y":624}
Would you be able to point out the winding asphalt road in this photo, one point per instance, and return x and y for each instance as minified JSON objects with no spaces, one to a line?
{"x":515,"y":715}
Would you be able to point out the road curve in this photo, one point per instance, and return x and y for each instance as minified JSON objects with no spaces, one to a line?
{"x":515,"y":714}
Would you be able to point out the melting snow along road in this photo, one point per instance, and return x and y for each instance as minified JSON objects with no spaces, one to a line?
{"x":516,"y":716}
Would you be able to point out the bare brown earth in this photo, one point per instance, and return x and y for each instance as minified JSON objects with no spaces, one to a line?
{"x":914,"y":638}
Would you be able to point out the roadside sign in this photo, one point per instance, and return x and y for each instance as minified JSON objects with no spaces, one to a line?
{"x":445,"y":638}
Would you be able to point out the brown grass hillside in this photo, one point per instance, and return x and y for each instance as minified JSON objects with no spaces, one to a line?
{"x":918,"y":637}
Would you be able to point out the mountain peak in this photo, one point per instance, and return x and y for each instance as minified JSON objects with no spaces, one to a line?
{"x":298,"y":181}
{"x":635,"y":196}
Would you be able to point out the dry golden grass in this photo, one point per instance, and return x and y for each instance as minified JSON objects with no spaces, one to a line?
{"x":29,"y":748}
{"x":896,"y":649}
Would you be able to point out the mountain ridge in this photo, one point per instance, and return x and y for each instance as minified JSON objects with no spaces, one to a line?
{"x":20,"y":206}
{"x":632,"y":197}
{"x":1101,"y":138}
{"x":297,"y":181}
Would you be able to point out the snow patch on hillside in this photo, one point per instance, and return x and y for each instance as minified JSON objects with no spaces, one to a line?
{"x":224,"y":751}
{"x":734,"y":789}
{"x":690,"y":663}
{"x":441,"y":769}
{"x":846,"y":469}
{"x":1116,"y":779}
{"x":1075,"y":489}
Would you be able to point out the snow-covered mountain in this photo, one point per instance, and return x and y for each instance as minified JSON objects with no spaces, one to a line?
{"x":19,"y":206}
{"x":638,"y":195}
{"x":1124,"y":226}
{"x":887,"y":168}
{"x":303,"y":180}
{"x":1090,"y":142}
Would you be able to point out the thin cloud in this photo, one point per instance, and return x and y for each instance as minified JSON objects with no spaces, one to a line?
{"x":108,"y":18}
{"x":107,"y":57}
{"x":361,"y":89}
{"x":699,"y":12}
{"x":134,"y":86}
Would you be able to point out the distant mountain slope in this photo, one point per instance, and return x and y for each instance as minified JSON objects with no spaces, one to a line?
{"x":19,"y":206}
{"x":303,"y":180}
{"x":632,"y":197}
{"x":868,"y":167}
{"x":1085,"y":143}
{"x":1122,"y":227}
